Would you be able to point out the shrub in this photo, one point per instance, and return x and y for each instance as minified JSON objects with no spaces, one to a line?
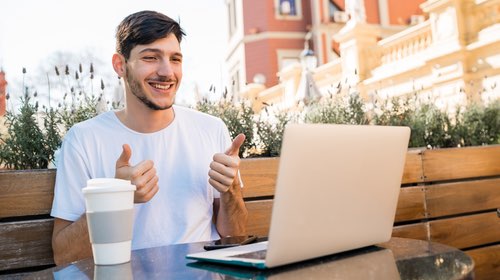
{"x":479,"y":125}
{"x":395,"y":111}
{"x":430,"y":127}
{"x":239,"y":118}
{"x":270,"y":130}
{"x":29,"y":145}
{"x":337,"y":109}
{"x":84,"y":110}
{"x":34,"y":135}
{"x":475,"y":124}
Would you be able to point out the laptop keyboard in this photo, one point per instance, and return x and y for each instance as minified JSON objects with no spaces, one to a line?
{"x":257,"y":255}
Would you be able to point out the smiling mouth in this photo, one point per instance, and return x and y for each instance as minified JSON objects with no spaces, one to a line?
{"x":161,"y":86}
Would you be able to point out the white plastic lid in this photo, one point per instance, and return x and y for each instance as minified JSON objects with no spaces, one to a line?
{"x":108,"y":185}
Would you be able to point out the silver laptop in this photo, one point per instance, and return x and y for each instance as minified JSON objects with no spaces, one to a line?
{"x":337,"y":190}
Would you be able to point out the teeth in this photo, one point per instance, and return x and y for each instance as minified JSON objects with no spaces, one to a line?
{"x":158,"y":86}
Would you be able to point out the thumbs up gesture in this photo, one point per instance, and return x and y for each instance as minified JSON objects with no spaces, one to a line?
{"x":224,"y":167}
{"x":143,"y":175}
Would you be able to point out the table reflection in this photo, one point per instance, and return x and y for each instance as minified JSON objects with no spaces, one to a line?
{"x":369,"y":263}
{"x":399,"y":258}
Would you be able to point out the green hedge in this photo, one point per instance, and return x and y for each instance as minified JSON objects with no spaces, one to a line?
{"x":472,"y":125}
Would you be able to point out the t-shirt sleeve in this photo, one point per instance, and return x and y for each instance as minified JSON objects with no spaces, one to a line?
{"x":72,"y":175}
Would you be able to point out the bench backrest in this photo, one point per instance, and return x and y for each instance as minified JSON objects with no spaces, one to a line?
{"x":25,"y":224}
{"x":448,"y":196}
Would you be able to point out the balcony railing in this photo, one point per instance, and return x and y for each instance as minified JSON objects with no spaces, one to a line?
{"x":409,"y":42}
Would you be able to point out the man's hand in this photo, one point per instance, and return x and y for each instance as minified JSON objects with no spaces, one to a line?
{"x":230,"y":212}
{"x":143,"y":175}
{"x":224,"y":167}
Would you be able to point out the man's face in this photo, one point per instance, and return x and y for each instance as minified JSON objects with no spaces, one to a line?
{"x":154,"y":72}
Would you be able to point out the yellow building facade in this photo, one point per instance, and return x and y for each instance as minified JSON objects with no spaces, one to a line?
{"x":452,"y":56}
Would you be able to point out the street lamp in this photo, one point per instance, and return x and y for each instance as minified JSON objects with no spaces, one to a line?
{"x":307,"y":57}
{"x":308,"y":90}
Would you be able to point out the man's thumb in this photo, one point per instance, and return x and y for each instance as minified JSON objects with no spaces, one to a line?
{"x":124,"y":158}
{"x":235,"y":146}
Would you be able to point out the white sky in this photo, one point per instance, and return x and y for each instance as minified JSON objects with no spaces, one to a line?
{"x":31,"y":30}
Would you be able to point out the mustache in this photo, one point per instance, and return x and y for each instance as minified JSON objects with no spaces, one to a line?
{"x":162,"y":79}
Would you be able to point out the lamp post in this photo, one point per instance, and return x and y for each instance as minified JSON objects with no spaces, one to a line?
{"x":307,"y":57}
{"x":307,"y":90}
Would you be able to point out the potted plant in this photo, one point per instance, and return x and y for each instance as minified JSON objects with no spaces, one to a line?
{"x":33,"y":135}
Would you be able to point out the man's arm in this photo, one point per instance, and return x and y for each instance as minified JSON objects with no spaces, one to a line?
{"x":70,"y":240}
{"x":230,"y":213}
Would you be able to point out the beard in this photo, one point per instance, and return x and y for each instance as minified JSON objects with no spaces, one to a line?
{"x":137,"y":90}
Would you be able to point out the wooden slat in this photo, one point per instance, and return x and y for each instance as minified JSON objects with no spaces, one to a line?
{"x":413,"y":167}
{"x":462,"y":197}
{"x":259,"y":176}
{"x":259,"y":217}
{"x":411,"y":204}
{"x":414,"y":231}
{"x":458,"y":163}
{"x":486,"y":262}
{"x":26,"y":244}
{"x":466,"y":231}
{"x":24,"y":193}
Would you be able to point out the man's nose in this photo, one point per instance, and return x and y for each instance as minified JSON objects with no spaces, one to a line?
{"x":165,"y":69}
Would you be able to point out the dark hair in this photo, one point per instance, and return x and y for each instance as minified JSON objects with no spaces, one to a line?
{"x":143,"y":28}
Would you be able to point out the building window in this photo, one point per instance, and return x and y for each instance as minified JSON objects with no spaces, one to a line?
{"x":288,"y":9}
{"x":231,"y":8}
{"x":336,"y":14}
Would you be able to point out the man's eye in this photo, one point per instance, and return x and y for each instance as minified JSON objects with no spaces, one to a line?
{"x":149,"y":58}
{"x":177,"y":59}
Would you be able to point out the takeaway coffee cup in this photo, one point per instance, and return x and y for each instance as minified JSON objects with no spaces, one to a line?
{"x":110,"y":219}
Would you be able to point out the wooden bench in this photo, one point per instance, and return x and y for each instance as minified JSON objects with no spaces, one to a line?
{"x":447,"y":195}
{"x":25,"y":223}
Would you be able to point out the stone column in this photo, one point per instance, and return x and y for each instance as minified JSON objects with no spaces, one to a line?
{"x":453,"y":29}
{"x":358,"y":49}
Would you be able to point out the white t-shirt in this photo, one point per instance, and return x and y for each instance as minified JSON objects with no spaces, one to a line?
{"x":182,"y":209}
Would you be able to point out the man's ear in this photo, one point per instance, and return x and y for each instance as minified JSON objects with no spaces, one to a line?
{"x":118,"y":64}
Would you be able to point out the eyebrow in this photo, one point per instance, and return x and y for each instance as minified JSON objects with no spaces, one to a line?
{"x":158,"y":51}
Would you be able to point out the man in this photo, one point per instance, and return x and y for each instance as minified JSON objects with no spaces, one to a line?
{"x":182,"y":161}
